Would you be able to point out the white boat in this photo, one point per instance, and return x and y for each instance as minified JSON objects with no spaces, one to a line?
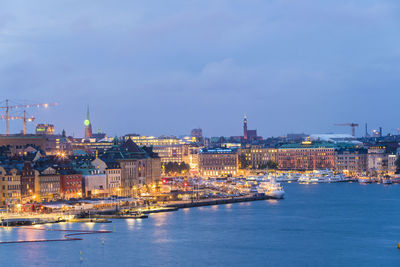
{"x":322,"y":176}
{"x":387,"y":181}
{"x":364,"y":180}
{"x":287,"y":178}
{"x":271,"y":188}
{"x":396,"y":178}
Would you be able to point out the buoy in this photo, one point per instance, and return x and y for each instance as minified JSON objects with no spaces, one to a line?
{"x":81,"y":258}
{"x":398,"y":245}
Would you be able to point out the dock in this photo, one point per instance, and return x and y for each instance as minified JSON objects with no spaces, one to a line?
{"x":218,"y":201}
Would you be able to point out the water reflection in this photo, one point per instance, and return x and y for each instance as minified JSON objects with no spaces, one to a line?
{"x":130,"y":223}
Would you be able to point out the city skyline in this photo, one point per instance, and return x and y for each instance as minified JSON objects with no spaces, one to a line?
{"x":167,"y":69}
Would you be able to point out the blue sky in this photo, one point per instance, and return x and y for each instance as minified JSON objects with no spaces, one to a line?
{"x":164,"y":67}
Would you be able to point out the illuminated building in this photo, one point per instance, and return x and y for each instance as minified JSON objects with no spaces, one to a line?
{"x":306,"y":156}
{"x":70,"y":182}
{"x":351,"y":161}
{"x":218,"y":162}
{"x":112,"y":169}
{"x":197,"y":133}
{"x":257,"y":156}
{"x":141,"y":140}
{"x":168,"y":149}
{"x":172,"y":153}
{"x":140,"y":166}
{"x":392,"y":163}
{"x":377,"y":159}
{"x":90,"y":145}
{"x":94,"y":184}
{"x":88,"y":125}
{"x":47,"y":185}
{"x":27,"y":181}
{"x":10,"y":186}
{"x":45,"y":129}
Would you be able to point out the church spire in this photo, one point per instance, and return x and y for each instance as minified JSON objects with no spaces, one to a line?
{"x":88,"y":125}
{"x":88,"y":114}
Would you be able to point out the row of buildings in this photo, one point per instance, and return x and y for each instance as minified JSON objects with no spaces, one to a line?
{"x":123,"y":170}
{"x":305,"y":156}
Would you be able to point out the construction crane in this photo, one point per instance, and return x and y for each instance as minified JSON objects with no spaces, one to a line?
{"x":352,"y":125}
{"x":7,"y":117}
{"x":24,"y":118}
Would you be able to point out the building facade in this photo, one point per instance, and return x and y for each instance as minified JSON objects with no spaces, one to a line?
{"x":10,"y":187}
{"x":47,"y":185}
{"x":257,"y":156}
{"x":70,"y":183}
{"x":27,"y":181}
{"x":306,"y":156}
{"x":351,"y":161}
{"x":218,"y":162}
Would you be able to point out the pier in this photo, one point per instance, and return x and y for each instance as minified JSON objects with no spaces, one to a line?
{"x":218,"y":201}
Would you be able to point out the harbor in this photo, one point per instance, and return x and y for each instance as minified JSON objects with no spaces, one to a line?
{"x":305,"y":219}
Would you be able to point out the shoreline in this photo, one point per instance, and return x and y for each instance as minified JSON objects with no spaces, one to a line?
{"x":97,"y":218}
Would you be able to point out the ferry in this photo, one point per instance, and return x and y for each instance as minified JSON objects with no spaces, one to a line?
{"x":287,"y":178}
{"x":322,"y":176}
{"x":271,"y":188}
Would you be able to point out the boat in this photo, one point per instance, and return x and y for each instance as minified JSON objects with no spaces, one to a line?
{"x":271,"y":188}
{"x":395,"y":179}
{"x":387,"y":181}
{"x":365,"y":180}
{"x":287,"y":178}
{"x":322,"y":176}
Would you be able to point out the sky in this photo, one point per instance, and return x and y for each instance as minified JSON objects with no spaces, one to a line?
{"x":164,"y":67}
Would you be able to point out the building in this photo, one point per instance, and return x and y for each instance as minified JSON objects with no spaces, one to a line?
{"x":45,"y":129}
{"x":173,"y":153}
{"x":218,"y":162}
{"x":112,"y":169}
{"x":27,"y":181}
{"x":10,"y":186}
{"x":257,"y":156}
{"x":70,"y":182}
{"x":88,"y":125}
{"x":197,"y":133}
{"x":306,"y":156}
{"x":140,"y":166}
{"x":18,"y":143}
{"x":353,"y":161}
{"x":377,"y":159}
{"x":249,"y":135}
{"x":392,"y":163}
{"x":47,"y":185}
{"x":94,"y":184}
{"x":142,"y":140}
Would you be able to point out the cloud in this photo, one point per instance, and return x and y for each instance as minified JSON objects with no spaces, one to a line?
{"x":165,"y":68}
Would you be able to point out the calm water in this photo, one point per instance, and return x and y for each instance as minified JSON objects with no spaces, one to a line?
{"x":316,"y":225}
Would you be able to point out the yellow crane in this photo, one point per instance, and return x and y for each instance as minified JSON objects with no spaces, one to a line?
{"x":7,"y":117}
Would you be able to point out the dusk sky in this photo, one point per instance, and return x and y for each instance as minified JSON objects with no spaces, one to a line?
{"x":165,"y":67}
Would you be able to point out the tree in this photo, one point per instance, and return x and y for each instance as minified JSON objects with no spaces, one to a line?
{"x":272,"y":164}
{"x":175,"y":167}
{"x":243,"y":162}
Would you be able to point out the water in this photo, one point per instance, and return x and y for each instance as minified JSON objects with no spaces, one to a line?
{"x":316,"y":225}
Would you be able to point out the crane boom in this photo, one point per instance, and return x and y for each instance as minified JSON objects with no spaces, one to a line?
{"x":352,"y":125}
{"x":7,"y":117}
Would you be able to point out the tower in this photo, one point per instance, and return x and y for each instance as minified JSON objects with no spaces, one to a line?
{"x":88,"y":125}
{"x":245,"y":128}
